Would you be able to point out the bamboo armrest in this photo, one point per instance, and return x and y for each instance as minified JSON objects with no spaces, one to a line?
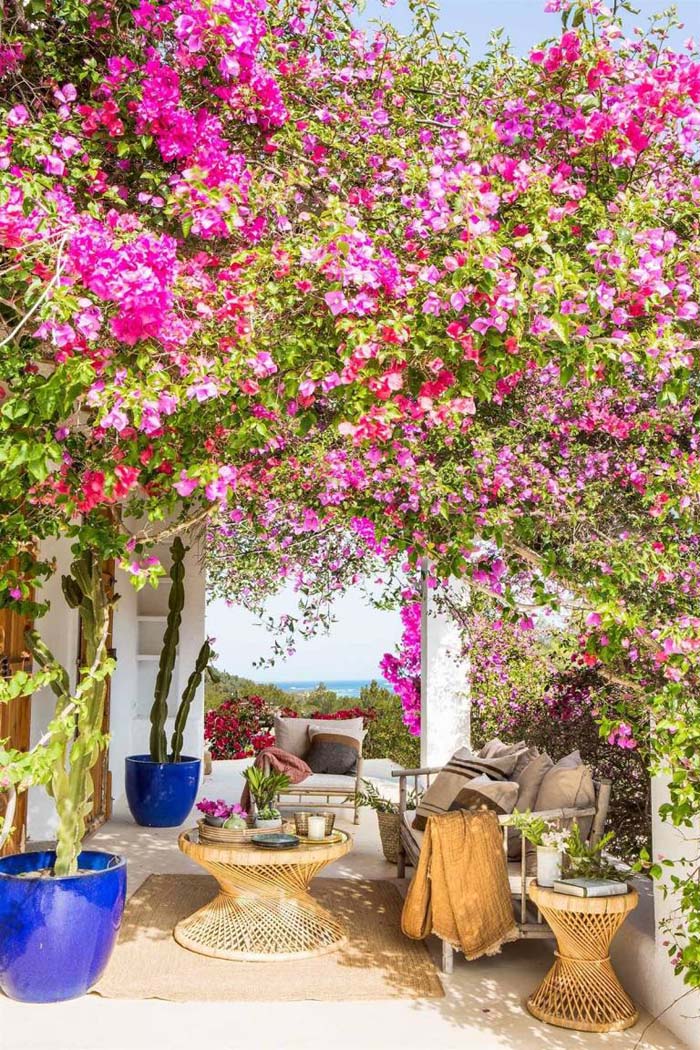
{"x":416,"y":772}
{"x":555,"y":814}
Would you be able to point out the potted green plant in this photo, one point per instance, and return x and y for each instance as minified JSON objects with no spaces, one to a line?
{"x":161,"y":786}
{"x":585,"y":860}
{"x":387,"y":817}
{"x":264,"y":789}
{"x":549,"y":840}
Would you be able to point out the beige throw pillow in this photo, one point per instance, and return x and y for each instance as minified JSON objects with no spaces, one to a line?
{"x":462,"y":767}
{"x":568,"y":785}
{"x":497,"y":795}
{"x":528,"y":782}
{"x":496,"y":748}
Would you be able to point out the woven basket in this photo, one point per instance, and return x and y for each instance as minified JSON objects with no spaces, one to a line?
{"x":301,"y":821}
{"x":232,"y":836}
{"x":389,"y":831}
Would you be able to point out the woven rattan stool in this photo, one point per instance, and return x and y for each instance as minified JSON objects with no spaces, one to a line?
{"x":263,"y":909}
{"x":581,"y":991}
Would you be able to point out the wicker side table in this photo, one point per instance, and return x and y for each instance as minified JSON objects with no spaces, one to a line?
{"x":582,"y":991}
{"x":263,"y":910}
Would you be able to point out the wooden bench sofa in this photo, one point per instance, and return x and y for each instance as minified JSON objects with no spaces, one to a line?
{"x":529,"y":921}
{"x":322,"y":790}
{"x":327,"y":791}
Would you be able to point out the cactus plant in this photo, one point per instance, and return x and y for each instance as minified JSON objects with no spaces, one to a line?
{"x":183,"y":711}
{"x":171,"y":638}
{"x":74,"y":738}
{"x":168,"y":655}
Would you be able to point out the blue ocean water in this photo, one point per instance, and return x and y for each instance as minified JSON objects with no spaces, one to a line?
{"x":345,"y":687}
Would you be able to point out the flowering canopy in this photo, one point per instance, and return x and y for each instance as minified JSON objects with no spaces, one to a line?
{"x":247,"y":244}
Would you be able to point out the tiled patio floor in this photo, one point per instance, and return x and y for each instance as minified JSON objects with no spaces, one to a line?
{"x":482,"y":1009}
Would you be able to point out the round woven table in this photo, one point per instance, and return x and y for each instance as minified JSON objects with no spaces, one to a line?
{"x":582,"y":991}
{"x":263,"y":909}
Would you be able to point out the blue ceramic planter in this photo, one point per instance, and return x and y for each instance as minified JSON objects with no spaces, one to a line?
{"x":161,"y":794}
{"x":57,"y":934}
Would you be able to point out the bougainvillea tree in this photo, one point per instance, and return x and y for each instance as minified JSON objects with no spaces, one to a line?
{"x":247,"y":241}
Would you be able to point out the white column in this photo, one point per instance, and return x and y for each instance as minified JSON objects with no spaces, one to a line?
{"x":445,"y":693}
{"x":639,"y":953}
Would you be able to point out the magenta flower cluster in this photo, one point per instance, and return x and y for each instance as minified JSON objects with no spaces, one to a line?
{"x":221,"y":809}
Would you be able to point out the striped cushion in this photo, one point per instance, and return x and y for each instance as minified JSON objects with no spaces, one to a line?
{"x":462,"y":767}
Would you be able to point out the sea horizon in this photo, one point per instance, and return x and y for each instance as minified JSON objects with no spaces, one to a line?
{"x":345,"y":687}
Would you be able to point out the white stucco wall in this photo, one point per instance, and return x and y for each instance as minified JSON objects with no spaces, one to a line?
{"x":131,"y":689}
{"x":138,"y":630}
{"x":638,"y":953}
{"x":444,"y":683}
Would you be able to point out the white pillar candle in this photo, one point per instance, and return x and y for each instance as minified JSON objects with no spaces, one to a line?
{"x":317,"y":827}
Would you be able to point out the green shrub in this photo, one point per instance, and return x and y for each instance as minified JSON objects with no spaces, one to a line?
{"x":387,"y":736}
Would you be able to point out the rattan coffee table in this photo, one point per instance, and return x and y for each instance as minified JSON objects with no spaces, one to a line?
{"x":263,"y":909}
{"x":581,"y":991}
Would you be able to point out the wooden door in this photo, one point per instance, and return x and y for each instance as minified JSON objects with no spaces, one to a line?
{"x":101,"y":776}
{"x":15,"y":717}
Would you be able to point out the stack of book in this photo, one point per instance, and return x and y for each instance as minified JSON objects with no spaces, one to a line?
{"x":590,"y":887}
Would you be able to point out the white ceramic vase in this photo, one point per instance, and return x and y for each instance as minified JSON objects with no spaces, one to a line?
{"x":268,"y":825}
{"x":548,"y":865}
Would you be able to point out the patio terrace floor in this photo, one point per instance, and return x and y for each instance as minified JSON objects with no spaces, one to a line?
{"x":483,"y":1008}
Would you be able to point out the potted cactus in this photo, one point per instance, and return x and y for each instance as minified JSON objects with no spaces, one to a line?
{"x":161,"y":786}
{"x":61,"y":908}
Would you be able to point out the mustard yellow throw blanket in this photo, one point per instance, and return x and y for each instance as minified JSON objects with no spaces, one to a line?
{"x":460,"y":889}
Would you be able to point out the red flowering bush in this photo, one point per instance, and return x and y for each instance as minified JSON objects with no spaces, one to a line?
{"x":334,"y":716}
{"x":239,"y":727}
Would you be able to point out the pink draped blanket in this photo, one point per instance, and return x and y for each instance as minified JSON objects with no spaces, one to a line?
{"x":278,"y":761}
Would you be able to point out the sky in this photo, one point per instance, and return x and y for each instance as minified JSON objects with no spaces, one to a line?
{"x":353,"y":649}
{"x":362,"y":634}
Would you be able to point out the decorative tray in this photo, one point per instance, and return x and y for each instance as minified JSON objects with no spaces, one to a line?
{"x":236,"y":836}
{"x":335,"y":836}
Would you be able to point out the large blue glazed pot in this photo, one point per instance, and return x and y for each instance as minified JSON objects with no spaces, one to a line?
{"x":161,"y":794}
{"x":57,"y":934}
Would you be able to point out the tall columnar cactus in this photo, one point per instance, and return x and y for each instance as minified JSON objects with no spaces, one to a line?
{"x":183,"y":711}
{"x":171,"y":638}
{"x":74,"y":737}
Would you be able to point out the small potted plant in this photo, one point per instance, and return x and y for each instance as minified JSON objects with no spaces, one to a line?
{"x":220,"y":814}
{"x":585,"y":860}
{"x":548,"y":839}
{"x":264,"y":789}
{"x":387,"y":817}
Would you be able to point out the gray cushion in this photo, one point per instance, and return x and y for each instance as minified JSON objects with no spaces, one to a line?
{"x":332,"y":753}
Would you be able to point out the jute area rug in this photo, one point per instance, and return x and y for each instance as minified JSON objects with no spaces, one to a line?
{"x":378,"y":962}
